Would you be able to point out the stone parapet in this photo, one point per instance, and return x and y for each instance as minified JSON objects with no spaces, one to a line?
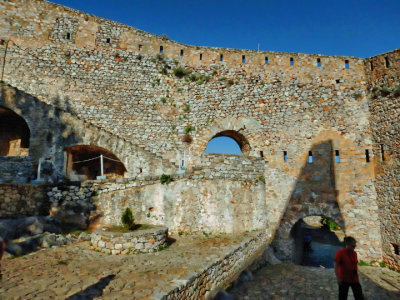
{"x":221,"y":273}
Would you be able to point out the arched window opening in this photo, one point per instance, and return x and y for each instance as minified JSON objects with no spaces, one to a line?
{"x":316,"y":241}
{"x":228,"y":142}
{"x":14,"y":134}
{"x":86,"y":162}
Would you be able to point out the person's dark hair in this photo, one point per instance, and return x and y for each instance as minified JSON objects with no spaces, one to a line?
{"x":349,"y":240}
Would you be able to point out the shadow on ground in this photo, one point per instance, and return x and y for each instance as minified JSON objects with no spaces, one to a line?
{"x":93,"y":291}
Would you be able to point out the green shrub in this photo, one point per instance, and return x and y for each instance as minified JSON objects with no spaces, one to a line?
{"x":128,"y":219}
{"x":180,"y":72}
{"x":222,"y":79}
{"x":385,"y":91}
{"x":260,"y":178}
{"x":163,"y":246}
{"x":186,"y":108}
{"x":396,"y":91}
{"x":329,"y":224}
{"x":139,"y":57}
{"x":194,"y":77}
{"x":166,"y":179}
{"x":382,"y":264}
{"x":231,"y":82}
{"x":357,"y":96}
{"x":189,"y":129}
{"x":363,"y":263}
{"x":163,"y":100}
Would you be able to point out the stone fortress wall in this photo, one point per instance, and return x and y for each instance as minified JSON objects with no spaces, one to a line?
{"x":86,"y":80}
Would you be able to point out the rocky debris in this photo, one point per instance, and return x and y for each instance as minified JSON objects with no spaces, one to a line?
{"x":27,"y":244}
{"x":15,"y":228}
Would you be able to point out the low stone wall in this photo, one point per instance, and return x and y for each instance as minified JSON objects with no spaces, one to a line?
{"x":139,"y":241}
{"x":23,"y":200}
{"x":236,"y":167}
{"x":223,"y":272}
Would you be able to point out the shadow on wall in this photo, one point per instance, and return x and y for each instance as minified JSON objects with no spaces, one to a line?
{"x":314,"y":194}
{"x":50,"y":134}
{"x":47,"y":131}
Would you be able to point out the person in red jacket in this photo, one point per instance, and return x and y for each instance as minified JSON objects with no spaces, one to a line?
{"x":346,"y":270}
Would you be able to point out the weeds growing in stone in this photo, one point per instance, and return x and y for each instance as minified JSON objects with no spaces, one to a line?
{"x":180,"y":72}
{"x":166,"y":179}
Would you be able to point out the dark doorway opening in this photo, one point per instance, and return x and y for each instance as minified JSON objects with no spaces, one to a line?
{"x":84,"y":163}
{"x":316,"y":241}
{"x":14,"y":134}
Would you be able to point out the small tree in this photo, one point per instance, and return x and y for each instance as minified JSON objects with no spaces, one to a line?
{"x":127,"y":219}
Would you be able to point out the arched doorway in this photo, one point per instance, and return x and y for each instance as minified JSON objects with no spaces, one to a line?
{"x":84,"y":163}
{"x":14,"y":134}
{"x":228,"y":142}
{"x":316,"y":241}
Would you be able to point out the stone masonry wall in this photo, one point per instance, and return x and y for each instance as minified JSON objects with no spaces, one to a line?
{"x":16,"y":169}
{"x":53,"y":128}
{"x":23,"y":200}
{"x":129,"y":90}
{"x":385,"y":119}
{"x":189,"y":205}
{"x":231,"y":167}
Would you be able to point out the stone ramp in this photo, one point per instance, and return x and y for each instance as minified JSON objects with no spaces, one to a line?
{"x":190,"y":267}
{"x":289,"y":281}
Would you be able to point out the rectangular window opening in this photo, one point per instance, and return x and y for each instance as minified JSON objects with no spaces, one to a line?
{"x":337,"y":156}
{"x":181,"y":52}
{"x":337,"y":80}
{"x":387,"y":62}
{"x":310,"y":157}
{"x":221,"y":57}
{"x":371,"y":65}
{"x":108,"y":41}
{"x":266,"y":60}
{"x":201,"y":56}
{"x":140,"y":47}
{"x":396,"y":249}
{"x":243,"y":59}
{"x":261,"y":154}
{"x":319,"y":63}
{"x":285,"y":156}
{"x":346,"y":64}
{"x":140,"y":170}
{"x":68,"y":36}
{"x":161,"y":49}
{"x":291,"y":61}
{"x":382,"y":152}
{"x":367,"y":158}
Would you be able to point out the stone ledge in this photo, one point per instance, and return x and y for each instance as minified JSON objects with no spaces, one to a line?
{"x":138,"y":241}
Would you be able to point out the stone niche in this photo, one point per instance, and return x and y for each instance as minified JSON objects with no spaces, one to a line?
{"x":138,"y":241}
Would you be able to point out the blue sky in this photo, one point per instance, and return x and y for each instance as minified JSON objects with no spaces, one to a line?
{"x":359,"y":28}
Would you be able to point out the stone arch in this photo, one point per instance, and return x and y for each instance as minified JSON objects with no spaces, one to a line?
{"x":243,"y":130}
{"x":14,"y":134}
{"x":239,"y":138}
{"x":315,"y":240}
{"x":84,"y":163}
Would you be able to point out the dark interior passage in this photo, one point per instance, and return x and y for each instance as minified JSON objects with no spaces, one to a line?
{"x":84,"y":163}
{"x":316,"y":239}
{"x":14,"y":134}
